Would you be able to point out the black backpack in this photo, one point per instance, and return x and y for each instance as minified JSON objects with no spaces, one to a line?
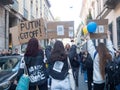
{"x":112,"y":71}
{"x":89,"y":62}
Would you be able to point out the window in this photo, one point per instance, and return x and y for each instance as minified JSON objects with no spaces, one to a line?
{"x":15,"y":6}
{"x":118,"y":31}
{"x":111,"y":30}
{"x":31,"y":5}
{"x":8,"y":63}
{"x":36,"y":12}
{"x":24,"y":4}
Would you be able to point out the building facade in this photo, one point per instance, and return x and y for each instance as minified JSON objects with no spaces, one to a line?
{"x":104,"y":9}
{"x":12,"y":12}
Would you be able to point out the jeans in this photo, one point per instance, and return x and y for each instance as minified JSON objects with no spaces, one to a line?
{"x":117,"y":87}
{"x":85,"y":75}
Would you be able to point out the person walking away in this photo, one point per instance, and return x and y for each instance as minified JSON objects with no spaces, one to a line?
{"x":84,"y":65}
{"x":48,"y":50}
{"x":34,"y":60}
{"x":104,"y":53}
{"x":117,"y":56}
{"x":58,"y":68}
{"x":67,"y":48}
{"x":89,"y":68}
{"x":74,"y":61}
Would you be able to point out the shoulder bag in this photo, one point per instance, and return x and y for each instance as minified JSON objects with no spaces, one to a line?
{"x":23,"y":83}
{"x":70,"y":75}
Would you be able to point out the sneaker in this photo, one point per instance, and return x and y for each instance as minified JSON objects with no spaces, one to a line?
{"x":92,"y":84}
{"x":48,"y":86}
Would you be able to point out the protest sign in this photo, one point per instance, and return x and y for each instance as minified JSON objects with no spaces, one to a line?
{"x":30,"y":29}
{"x":101,"y":31}
{"x":60,"y":29}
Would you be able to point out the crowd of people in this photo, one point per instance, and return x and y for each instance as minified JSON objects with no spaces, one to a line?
{"x":9,"y":52}
{"x":53,"y":71}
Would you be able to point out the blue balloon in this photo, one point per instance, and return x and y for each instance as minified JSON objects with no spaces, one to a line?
{"x":91,"y":27}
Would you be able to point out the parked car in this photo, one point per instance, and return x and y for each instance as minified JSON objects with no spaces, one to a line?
{"x":9,"y":67}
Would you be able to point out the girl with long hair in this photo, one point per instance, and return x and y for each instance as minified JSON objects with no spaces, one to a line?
{"x":100,"y":56}
{"x":67,"y":48}
{"x":35,"y":65}
{"x":59,"y":68}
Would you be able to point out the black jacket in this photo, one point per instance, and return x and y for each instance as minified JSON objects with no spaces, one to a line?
{"x":55,"y":70}
{"x":36,"y":69}
{"x":48,"y":52}
{"x":73,"y":56}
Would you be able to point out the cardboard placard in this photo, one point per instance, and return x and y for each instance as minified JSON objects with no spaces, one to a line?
{"x":60,"y":29}
{"x":15,"y":34}
{"x":30,"y":29}
{"x":101,"y":31}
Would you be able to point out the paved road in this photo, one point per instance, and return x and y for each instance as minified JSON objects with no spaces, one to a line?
{"x":82,"y":84}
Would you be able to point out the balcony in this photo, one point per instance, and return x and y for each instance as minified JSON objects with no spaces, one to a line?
{"x":111,"y":4}
{"x":6,"y":2}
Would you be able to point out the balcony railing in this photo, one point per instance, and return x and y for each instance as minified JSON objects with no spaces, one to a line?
{"x":111,"y":4}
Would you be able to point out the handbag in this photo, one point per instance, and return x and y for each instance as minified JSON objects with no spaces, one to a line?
{"x":23,"y":83}
{"x":70,"y":75}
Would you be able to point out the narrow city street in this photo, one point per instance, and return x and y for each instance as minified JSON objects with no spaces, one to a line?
{"x":82,"y":84}
{"x":86,"y":31}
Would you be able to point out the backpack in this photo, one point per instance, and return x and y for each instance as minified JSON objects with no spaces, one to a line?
{"x":89,"y":62}
{"x":112,"y":71}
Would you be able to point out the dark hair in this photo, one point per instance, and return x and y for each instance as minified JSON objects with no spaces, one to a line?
{"x":32,"y":47}
{"x":67,"y":46}
{"x":58,"y":52}
{"x":104,"y":56}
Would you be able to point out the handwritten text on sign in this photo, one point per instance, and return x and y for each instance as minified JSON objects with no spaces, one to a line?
{"x":30,"y":29}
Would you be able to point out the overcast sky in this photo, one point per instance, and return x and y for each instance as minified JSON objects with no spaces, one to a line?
{"x":67,"y":10}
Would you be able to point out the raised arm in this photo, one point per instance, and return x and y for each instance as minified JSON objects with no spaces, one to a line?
{"x":90,"y":46}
